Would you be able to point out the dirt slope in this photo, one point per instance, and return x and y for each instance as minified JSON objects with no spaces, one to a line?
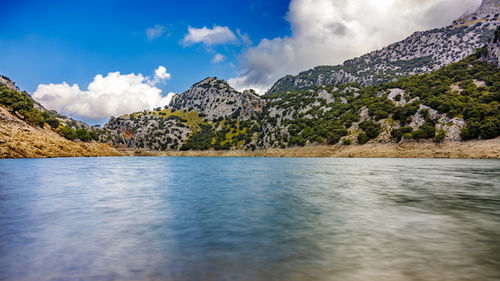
{"x":19,"y":139}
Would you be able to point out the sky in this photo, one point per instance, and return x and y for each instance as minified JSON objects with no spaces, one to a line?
{"x":94,"y":59}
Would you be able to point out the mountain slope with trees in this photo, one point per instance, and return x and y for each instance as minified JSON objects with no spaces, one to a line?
{"x":422,"y":52}
{"x":458,"y":102}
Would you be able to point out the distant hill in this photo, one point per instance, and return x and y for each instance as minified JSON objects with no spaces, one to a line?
{"x":420,"y":53}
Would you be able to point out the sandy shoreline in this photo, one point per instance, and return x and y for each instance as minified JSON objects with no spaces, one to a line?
{"x":478,"y":149}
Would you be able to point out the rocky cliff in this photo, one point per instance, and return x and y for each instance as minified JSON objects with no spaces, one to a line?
{"x":491,"y":52}
{"x":216,"y":99}
{"x":420,"y":53}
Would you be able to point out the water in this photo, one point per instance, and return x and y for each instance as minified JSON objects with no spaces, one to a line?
{"x":249,"y":219}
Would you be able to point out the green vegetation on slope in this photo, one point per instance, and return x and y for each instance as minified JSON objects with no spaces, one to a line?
{"x":419,"y":107}
{"x":21,"y":104}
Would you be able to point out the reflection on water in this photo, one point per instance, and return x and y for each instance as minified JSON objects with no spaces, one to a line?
{"x":249,"y":219}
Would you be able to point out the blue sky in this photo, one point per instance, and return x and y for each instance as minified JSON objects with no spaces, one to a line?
{"x":67,"y":54}
{"x":72,"y":41}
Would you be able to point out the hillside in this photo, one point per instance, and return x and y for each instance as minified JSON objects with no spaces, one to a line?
{"x":208,"y":106}
{"x":458,"y":102}
{"x":419,"y":53}
{"x":29,"y":130}
{"x":445,"y":107}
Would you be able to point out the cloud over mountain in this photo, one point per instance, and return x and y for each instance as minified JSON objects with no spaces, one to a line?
{"x":209,"y":36}
{"x":331,"y":31}
{"x":111,"y":95}
{"x":218,"y":58}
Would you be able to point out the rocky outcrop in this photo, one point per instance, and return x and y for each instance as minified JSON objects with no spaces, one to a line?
{"x":4,"y":80}
{"x":492,"y":50}
{"x":215,"y":99}
{"x":421,"y":52}
{"x":148,"y":129}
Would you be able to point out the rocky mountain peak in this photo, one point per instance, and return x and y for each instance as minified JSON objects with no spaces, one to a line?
{"x":489,"y":5}
{"x":215,"y":99}
{"x":209,"y":81}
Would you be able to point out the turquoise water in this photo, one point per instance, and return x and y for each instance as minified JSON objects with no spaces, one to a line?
{"x":249,"y":219}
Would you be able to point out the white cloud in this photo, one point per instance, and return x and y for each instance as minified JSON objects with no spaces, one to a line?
{"x":218,"y":58}
{"x":111,"y":95}
{"x":245,"y":39}
{"x":209,"y":36}
{"x":331,"y":31}
{"x":155,"y":32}
{"x":160,"y":76}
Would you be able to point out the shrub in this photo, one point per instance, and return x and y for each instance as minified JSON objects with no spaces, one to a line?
{"x":407,"y":136}
{"x":68,"y":133}
{"x":14,"y":100}
{"x":347,"y":141}
{"x":363,"y":138}
{"x":398,"y":133}
{"x":372,"y":129}
{"x":33,"y":116}
{"x":202,"y":140}
{"x":490,"y":128}
{"x":441,"y":135}
{"x":82,"y":134}
{"x":53,"y":122}
{"x":471,"y":130}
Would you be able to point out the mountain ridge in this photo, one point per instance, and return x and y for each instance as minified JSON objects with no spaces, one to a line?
{"x":460,"y":101}
{"x":457,"y":102}
{"x":421,"y":52}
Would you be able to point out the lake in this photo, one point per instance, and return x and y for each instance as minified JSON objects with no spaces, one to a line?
{"x":288,"y":219}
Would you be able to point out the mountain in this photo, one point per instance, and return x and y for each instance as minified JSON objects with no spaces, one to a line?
{"x":461,"y":101}
{"x":207,"y":103}
{"x":27,"y":129}
{"x":422,"y":52}
{"x":216,"y":99}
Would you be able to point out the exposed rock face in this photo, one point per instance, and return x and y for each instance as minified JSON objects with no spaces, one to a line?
{"x":215,"y":98}
{"x":147,"y":129}
{"x":488,"y":7}
{"x":8,"y":83}
{"x":419,"y":53}
{"x":492,"y":54}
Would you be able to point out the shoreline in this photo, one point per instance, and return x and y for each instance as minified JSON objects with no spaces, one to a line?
{"x":23,"y":141}
{"x":476,"y":149}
